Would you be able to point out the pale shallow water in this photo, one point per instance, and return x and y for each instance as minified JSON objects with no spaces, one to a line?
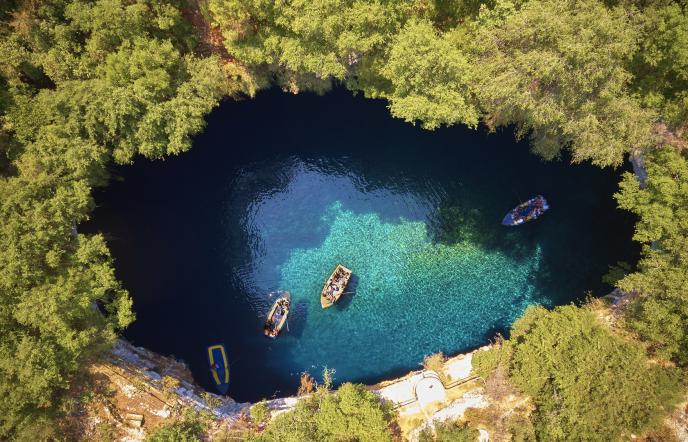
{"x":280,"y":189}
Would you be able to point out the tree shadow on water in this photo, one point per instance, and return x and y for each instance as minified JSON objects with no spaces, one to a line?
{"x":349,"y":293}
{"x":455,"y":224}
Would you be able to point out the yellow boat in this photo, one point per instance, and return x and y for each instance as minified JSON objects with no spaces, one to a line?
{"x":277,"y":316}
{"x":217,"y":358}
{"x":335,"y":286}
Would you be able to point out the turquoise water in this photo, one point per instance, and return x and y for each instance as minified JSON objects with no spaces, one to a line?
{"x":411,"y":295}
{"x":280,"y":189}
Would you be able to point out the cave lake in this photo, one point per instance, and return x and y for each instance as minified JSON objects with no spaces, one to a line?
{"x":279,"y":189}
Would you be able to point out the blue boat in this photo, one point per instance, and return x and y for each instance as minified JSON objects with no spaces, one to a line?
{"x":219,"y":368}
{"x":525,"y":212}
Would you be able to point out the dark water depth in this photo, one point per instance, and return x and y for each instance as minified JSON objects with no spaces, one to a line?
{"x":280,"y":189}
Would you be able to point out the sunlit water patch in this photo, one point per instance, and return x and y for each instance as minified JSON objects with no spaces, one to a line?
{"x":280,"y":189}
{"x":408,"y":296}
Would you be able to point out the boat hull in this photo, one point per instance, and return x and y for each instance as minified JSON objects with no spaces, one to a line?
{"x":276,"y":319}
{"x":528,"y":211}
{"x":219,"y":367}
{"x":335,"y":286}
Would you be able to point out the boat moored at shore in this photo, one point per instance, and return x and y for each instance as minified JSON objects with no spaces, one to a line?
{"x":219,"y":367}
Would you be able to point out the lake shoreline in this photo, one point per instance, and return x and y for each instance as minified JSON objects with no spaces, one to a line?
{"x":157,"y":387}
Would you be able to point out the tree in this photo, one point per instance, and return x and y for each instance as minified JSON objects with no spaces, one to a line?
{"x":83,"y":82}
{"x":661,"y":64}
{"x":586,"y":382}
{"x":660,"y":314}
{"x":148,"y":99}
{"x":323,"y":37}
{"x":449,"y":432}
{"x":557,"y":70}
{"x":87,"y":82}
{"x":51,"y":285}
{"x":350,"y":413}
{"x":431,"y":78}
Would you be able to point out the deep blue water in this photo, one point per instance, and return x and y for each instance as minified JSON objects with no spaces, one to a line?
{"x":280,"y":189}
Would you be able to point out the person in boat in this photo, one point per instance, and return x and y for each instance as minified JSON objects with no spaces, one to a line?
{"x":538,"y":206}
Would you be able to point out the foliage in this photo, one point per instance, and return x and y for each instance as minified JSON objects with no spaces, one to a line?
{"x":189,"y":428}
{"x":87,"y":82}
{"x":661,"y":66}
{"x":557,"y":70}
{"x":350,"y":413}
{"x":660,"y":315}
{"x":105,"y":432}
{"x":81,"y":82}
{"x":449,"y":432}
{"x":431,"y":78}
{"x":520,"y":427}
{"x":560,"y":71}
{"x":485,"y":362}
{"x":148,"y":99}
{"x":307,"y":384}
{"x":260,"y":413}
{"x":582,"y":394}
{"x":616,"y":272}
{"x":435,"y":362}
{"x":501,"y":418}
{"x":323,"y":37}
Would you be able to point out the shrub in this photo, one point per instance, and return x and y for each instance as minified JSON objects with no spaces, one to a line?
{"x":484,"y":362}
{"x":435,"y":362}
{"x":449,"y":432}
{"x":260,"y":413}
{"x":190,"y":428}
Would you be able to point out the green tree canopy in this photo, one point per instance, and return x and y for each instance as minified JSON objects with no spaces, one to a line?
{"x":661,"y":64}
{"x":557,"y":69}
{"x":587,"y":382}
{"x":82,"y":82}
{"x":449,"y":432}
{"x":323,"y":37}
{"x":350,"y":413}
{"x":660,"y":314}
{"x":431,"y":78}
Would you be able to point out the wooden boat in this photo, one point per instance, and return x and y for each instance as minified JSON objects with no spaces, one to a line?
{"x":525,"y":212}
{"x":219,"y":368}
{"x":335,"y":286}
{"x":277,"y":316}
